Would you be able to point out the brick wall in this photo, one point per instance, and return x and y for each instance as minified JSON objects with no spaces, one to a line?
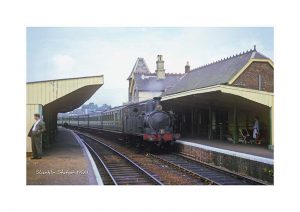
{"x":250,"y":77}
{"x":246,"y":167}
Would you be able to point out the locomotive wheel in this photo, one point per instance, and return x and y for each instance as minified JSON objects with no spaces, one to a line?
{"x":167,"y":147}
{"x":149,"y":147}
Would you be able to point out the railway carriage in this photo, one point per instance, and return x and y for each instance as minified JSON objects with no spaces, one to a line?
{"x":83,"y":121}
{"x":95,"y":121}
{"x":73,"y":121}
{"x":143,"y":121}
{"x":113,"y":119}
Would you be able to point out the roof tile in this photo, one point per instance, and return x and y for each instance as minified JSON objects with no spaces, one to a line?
{"x":220,"y":72}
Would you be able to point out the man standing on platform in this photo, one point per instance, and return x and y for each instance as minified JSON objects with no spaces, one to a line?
{"x":256,"y":128}
{"x":35,"y":133}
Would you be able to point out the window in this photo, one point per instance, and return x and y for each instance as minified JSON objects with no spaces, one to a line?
{"x":259,"y":82}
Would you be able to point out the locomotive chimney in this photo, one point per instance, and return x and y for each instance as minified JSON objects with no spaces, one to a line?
{"x":157,"y":100}
{"x":160,"y":69}
{"x":187,"y":67}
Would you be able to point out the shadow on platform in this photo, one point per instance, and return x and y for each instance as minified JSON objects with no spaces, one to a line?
{"x":64,"y":163}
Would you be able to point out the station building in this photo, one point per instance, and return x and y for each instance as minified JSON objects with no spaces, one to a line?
{"x":51,"y":97}
{"x":144,"y":84}
{"x":219,"y":100}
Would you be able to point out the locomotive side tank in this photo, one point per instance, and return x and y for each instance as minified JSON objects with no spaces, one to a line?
{"x":148,"y":120}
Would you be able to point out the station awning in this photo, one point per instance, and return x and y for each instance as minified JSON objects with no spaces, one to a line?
{"x":57,"y":96}
{"x":224,"y":96}
{"x":260,"y":97}
{"x":63,"y":95}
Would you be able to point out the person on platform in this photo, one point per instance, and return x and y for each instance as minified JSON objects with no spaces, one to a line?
{"x":35,"y":134}
{"x":256,"y":128}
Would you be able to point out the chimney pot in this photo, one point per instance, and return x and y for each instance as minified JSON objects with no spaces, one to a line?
{"x":160,"y":69}
{"x":159,"y":57}
{"x":187,"y":67}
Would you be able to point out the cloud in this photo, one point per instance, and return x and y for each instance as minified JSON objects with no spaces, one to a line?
{"x":113,"y":52}
{"x":63,"y":62}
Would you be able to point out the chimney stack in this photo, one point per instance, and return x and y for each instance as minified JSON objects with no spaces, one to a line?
{"x":187,"y":67}
{"x":160,"y":69}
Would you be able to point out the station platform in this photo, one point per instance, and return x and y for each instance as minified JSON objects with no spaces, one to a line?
{"x":251,"y":149}
{"x":246,"y":159}
{"x":66,"y":162}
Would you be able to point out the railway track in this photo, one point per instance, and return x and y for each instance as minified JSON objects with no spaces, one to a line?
{"x":116,"y":168}
{"x":210,"y":175}
{"x":196,"y":171}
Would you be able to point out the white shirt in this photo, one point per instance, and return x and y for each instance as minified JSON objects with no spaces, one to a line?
{"x":34,"y":126}
{"x":256,"y":125}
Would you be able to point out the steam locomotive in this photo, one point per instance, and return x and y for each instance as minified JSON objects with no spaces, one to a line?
{"x":141,"y":122}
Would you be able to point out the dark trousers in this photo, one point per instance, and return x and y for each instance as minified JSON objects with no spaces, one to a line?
{"x":36,"y":145}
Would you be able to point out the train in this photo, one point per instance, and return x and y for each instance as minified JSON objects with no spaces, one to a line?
{"x":143,"y":122}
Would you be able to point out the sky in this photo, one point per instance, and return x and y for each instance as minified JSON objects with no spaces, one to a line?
{"x":56,"y":52}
